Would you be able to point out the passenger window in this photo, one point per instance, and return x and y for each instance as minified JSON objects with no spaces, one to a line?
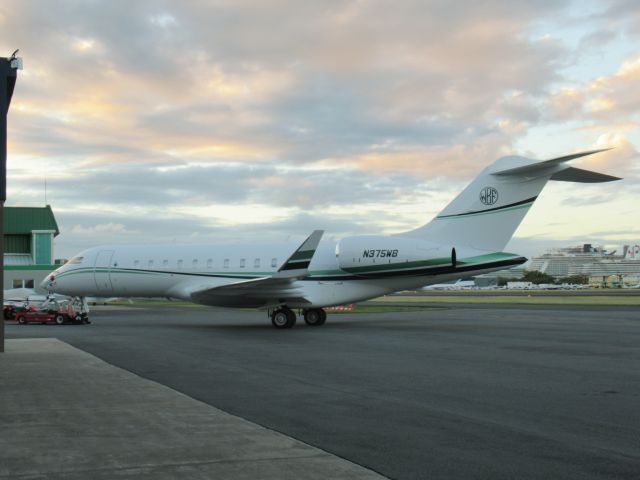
{"x":209,"y":263}
{"x":274,"y":262}
{"x":226,"y":263}
{"x":165,"y":263}
{"x":150,"y":263}
{"x":136,"y":263}
{"x":242,"y":262}
{"x":194,"y":264}
{"x":256,"y":263}
{"x":179,"y":263}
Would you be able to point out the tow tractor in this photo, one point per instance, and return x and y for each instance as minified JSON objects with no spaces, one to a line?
{"x":54,"y":311}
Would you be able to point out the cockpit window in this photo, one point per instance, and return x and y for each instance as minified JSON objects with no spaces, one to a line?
{"x":75,"y":260}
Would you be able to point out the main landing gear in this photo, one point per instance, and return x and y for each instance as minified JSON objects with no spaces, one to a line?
{"x":315,"y":317}
{"x":284,"y":317}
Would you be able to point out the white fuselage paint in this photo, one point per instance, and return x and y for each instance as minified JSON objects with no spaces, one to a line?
{"x":177,"y":270}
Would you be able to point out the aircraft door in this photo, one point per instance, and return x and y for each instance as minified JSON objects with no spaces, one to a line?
{"x":102,"y":271}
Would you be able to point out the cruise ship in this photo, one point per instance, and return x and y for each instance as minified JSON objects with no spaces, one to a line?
{"x":590,"y":260}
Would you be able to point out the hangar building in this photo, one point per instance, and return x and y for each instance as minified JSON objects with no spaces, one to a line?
{"x":28,"y":245}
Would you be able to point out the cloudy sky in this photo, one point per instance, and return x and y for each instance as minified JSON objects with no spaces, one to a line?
{"x":199,"y":121}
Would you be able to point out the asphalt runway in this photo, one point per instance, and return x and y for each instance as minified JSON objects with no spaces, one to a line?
{"x":462,"y":392}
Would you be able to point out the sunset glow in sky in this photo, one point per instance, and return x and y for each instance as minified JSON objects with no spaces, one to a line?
{"x":217,"y":121}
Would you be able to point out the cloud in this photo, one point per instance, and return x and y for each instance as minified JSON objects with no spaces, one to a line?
{"x":565,"y":104}
{"x":199,"y":116}
{"x":234,"y":79}
{"x":100,"y":229}
{"x":622,"y":160}
{"x":612,"y":98}
{"x":224,"y":184}
{"x":617,"y":94}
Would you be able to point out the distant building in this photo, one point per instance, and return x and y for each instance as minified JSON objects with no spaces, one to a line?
{"x":588,"y":260}
{"x":631,"y":253}
{"x":28,"y":245}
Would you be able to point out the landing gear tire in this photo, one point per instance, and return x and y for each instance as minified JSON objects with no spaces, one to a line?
{"x":315,"y":317}
{"x":59,"y":319}
{"x":283,"y":318}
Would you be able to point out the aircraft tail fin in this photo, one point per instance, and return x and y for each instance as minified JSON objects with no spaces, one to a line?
{"x":487,"y":213}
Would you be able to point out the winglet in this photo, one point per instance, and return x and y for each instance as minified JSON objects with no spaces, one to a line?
{"x":298,"y":263}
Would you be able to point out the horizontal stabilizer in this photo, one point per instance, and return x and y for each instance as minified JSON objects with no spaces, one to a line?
{"x":579,"y":175}
{"x":540,"y":167}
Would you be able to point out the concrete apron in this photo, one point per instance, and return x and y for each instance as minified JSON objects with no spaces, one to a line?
{"x":67,"y":414}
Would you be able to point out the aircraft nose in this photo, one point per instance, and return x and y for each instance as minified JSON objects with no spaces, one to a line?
{"x":49,"y":282}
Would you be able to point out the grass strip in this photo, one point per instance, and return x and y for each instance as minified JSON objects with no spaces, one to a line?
{"x":162,"y":303}
{"x":528,"y":300}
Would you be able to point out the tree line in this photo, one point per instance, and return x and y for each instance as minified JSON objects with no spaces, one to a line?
{"x":539,"y":278}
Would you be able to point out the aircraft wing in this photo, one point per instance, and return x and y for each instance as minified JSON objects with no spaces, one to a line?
{"x":273,"y":288}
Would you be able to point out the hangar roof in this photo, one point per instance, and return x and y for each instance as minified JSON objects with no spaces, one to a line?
{"x":22,"y":220}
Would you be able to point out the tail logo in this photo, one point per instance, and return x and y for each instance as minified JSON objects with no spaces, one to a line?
{"x":489,"y":195}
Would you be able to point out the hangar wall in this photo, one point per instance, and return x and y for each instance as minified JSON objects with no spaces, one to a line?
{"x":28,"y":246}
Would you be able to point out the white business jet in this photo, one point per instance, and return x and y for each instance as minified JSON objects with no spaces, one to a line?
{"x":466,"y":238}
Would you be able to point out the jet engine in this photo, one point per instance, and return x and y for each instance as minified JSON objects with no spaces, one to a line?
{"x":377,"y":253}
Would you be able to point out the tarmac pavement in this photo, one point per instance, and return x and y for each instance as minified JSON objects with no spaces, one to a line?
{"x":65,"y":414}
{"x":465,"y":392}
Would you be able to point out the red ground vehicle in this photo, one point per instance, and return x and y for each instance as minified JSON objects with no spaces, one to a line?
{"x":56,"y":312}
{"x":9,"y":312}
{"x":11,"y":308}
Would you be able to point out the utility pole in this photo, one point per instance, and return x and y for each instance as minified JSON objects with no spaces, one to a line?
{"x":8,"y":75}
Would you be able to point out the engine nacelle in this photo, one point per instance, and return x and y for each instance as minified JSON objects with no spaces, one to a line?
{"x":369,"y":254}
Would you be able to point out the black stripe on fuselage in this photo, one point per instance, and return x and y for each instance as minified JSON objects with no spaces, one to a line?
{"x":429,"y":271}
{"x":521,"y":202}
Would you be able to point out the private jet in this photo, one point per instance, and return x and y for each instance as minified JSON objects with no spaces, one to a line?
{"x":466,"y":238}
